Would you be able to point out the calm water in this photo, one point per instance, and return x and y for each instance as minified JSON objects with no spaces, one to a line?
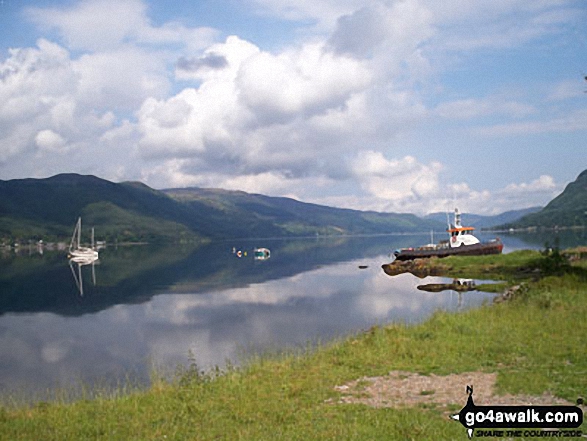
{"x":159,"y":305}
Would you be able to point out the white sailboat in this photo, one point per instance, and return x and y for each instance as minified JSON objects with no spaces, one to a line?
{"x":75,"y":248}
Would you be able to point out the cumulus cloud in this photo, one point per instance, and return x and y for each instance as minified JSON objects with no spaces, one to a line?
{"x":328,"y":118}
{"x":254,"y":110}
{"x":35,"y":94}
{"x":544,"y":183}
{"x":406,"y":185}
{"x":299,"y":82}
{"x":52,"y":101}
{"x":396,"y":181}
{"x":519,"y":195}
{"x":359,"y":33}
{"x":119,"y":79}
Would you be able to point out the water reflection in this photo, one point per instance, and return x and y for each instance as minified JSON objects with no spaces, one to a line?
{"x":78,"y":276}
{"x":155,"y":305}
{"x":458,"y":285}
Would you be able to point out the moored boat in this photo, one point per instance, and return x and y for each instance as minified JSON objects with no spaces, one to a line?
{"x":461,"y":242}
{"x":76,"y":250}
{"x":261,"y":253}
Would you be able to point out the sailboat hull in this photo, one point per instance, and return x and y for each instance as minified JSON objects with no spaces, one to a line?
{"x":84,"y":253}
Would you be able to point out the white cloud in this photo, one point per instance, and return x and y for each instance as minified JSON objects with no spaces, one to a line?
{"x":52,"y":101}
{"x":34,"y":94}
{"x":515,"y":195}
{"x":251,"y":110}
{"x":49,"y":140}
{"x":322,"y":13}
{"x":229,"y":56}
{"x":105,"y":25}
{"x":93,"y":25}
{"x":569,"y":122}
{"x":465,"y":25}
{"x":395,"y":180}
{"x":299,"y":82}
{"x":406,"y":185}
{"x":329,"y":118}
{"x":473,"y":108}
{"x":500,"y":23}
{"x":32,"y":79}
{"x":544,"y":183}
{"x":119,"y":79}
{"x":567,"y":89}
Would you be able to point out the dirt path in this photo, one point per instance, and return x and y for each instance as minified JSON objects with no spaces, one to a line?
{"x":407,"y":389}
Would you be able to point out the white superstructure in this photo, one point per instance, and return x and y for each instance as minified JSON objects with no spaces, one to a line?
{"x":459,"y":235}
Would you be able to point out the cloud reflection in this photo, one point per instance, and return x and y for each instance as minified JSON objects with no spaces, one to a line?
{"x":42,"y":350}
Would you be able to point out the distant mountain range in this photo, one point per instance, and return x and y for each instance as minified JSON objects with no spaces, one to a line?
{"x":240,"y":214}
{"x":131,"y":211}
{"x":32,"y":209}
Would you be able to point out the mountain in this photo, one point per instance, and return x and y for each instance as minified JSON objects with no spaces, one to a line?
{"x":568,"y":209}
{"x":48,"y":208}
{"x":132,"y":211}
{"x":479,"y":221}
{"x":243,"y":215}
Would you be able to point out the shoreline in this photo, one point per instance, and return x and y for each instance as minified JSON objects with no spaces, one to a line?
{"x":295,"y":395}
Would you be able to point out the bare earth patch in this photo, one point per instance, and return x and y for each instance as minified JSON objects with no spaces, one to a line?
{"x":407,"y":389}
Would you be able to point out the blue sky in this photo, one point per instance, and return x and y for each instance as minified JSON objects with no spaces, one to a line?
{"x":388,"y":105}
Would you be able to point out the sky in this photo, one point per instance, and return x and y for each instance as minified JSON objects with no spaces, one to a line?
{"x":388,"y":105}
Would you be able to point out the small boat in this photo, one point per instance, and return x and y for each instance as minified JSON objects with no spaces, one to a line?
{"x":76,"y":250}
{"x":261,"y":253}
{"x":462,"y":242}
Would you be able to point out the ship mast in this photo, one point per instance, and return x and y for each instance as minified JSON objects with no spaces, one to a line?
{"x":457,"y":218}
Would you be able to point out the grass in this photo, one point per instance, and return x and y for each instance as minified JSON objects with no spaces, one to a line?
{"x":510,"y":267}
{"x":535,"y":343}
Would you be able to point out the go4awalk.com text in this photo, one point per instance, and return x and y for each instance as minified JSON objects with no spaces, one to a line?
{"x":519,"y":421}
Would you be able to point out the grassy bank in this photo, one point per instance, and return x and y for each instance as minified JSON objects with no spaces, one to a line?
{"x":535,"y":343}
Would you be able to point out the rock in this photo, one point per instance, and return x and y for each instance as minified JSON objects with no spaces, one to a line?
{"x":510,"y":293}
{"x":418,"y":267}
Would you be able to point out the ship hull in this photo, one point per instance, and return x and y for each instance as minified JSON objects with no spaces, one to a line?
{"x":478,"y":249}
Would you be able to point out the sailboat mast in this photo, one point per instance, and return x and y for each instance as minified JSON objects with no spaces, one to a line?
{"x":75,"y":237}
{"x":79,"y":232}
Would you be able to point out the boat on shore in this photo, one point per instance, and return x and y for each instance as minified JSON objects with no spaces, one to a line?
{"x":461,"y":242}
{"x":76,"y":250}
